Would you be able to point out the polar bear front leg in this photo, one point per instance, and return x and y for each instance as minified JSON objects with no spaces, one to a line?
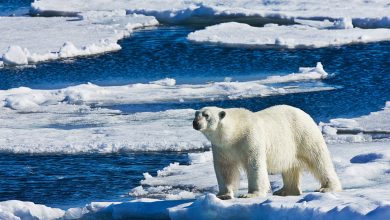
{"x":228,"y":177}
{"x":258,"y":182}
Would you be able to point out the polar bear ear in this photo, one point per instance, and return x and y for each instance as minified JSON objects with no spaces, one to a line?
{"x":222,"y":114}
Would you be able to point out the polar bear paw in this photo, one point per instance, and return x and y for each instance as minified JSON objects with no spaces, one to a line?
{"x":286,"y":192}
{"x":328,"y":189}
{"x":332,"y":187}
{"x":225,"y":197}
{"x":252,"y":195}
{"x":248,"y":195}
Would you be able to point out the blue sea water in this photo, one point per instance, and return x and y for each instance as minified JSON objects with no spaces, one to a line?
{"x":360,"y":72}
{"x":14,"y":7}
{"x":75,"y":180}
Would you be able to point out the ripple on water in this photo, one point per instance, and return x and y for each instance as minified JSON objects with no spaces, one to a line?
{"x":69,"y":180}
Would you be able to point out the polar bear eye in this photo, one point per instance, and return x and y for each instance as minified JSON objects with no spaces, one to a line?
{"x":205,"y":115}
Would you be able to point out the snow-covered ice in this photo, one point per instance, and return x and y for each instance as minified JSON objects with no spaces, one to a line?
{"x":17,"y":210}
{"x":373,"y":13}
{"x":69,"y":129}
{"x":376,"y":125}
{"x":96,"y":26}
{"x":32,"y":39}
{"x":178,"y":181}
{"x":304,"y":73}
{"x":187,"y":191}
{"x":293,"y":36}
{"x":363,"y":170}
{"x":15,"y":55}
{"x":70,"y":120}
{"x":165,"y":90}
{"x":342,"y":23}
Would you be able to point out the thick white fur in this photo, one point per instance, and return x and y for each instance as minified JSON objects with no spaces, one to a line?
{"x":280,"y":139}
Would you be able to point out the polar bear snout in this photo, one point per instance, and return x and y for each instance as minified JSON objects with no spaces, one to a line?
{"x":199,"y":122}
{"x":196,"y":125}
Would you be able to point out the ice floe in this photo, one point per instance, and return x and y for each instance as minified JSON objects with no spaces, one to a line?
{"x":362,"y":13}
{"x":165,"y":90}
{"x":293,"y":36}
{"x":96,"y":26}
{"x":26,"y":40}
{"x":68,"y":129}
{"x":78,"y":119}
{"x":17,"y":210}
{"x":349,"y":158}
{"x":188,"y":192}
{"x":374,"y":126}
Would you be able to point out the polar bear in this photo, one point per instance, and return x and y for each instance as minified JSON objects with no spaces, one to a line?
{"x":279,"y":139}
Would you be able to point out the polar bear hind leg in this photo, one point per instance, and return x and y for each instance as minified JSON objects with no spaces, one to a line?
{"x":291,"y":183}
{"x":321,"y":166}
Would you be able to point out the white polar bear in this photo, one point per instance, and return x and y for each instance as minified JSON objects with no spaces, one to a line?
{"x":279,"y":139}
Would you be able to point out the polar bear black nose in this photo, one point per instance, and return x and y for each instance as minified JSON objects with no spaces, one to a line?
{"x":196,"y":125}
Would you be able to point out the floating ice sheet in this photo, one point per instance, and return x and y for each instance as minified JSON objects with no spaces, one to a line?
{"x":376,"y":125}
{"x":68,"y":129}
{"x":363,"y":13}
{"x":70,"y":120}
{"x":164,"y":90}
{"x":26,"y":40}
{"x":293,"y":36}
{"x":17,"y":210}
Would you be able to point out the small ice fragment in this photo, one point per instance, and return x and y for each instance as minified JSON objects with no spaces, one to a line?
{"x":15,"y":55}
{"x":271,"y":25}
{"x":320,"y":69}
{"x":68,"y":49}
{"x":343,"y":23}
{"x":138,"y":191}
{"x":227,"y":79}
{"x":164,"y":82}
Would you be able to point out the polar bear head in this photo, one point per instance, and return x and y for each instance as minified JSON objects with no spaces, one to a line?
{"x":208,"y":118}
